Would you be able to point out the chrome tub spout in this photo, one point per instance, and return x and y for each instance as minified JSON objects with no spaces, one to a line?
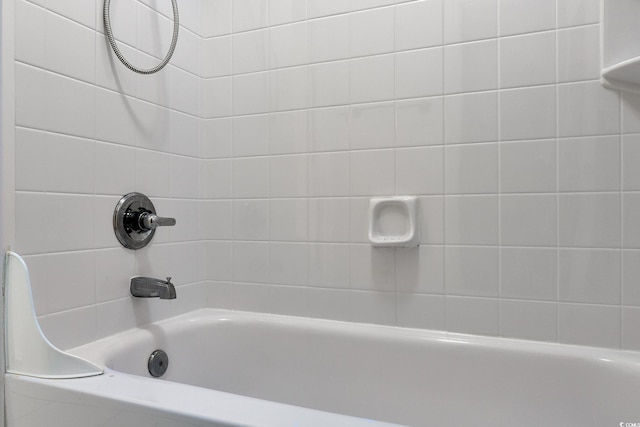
{"x":148,"y":287}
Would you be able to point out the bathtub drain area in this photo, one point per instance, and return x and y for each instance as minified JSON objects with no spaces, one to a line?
{"x":158,"y":363}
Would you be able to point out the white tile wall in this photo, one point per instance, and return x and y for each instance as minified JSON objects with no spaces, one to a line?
{"x":279,"y":119}
{"x":528,"y":60}
{"x":89,"y":131}
{"x":525,"y":16}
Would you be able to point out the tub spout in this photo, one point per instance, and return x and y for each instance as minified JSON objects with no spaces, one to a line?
{"x":148,"y":287}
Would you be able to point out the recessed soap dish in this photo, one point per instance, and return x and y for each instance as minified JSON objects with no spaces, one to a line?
{"x":393,"y":221}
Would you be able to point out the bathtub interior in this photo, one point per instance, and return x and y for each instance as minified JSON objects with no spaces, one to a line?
{"x":395,"y":375}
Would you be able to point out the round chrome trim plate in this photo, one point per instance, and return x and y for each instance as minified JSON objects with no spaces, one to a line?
{"x":158,"y":363}
{"x":128,"y":237}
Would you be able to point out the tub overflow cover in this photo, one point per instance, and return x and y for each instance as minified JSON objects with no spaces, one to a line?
{"x":158,"y":363}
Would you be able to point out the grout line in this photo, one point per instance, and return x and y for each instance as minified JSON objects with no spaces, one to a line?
{"x":136,"y":154}
{"x":434,"y":195}
{"x":389,"y":53}
{"x":347,"y":13}
{"x":445,"y":288}
{"x":498,"y":145}
{"x":395,"y":163}
{"x":557,"y":173}
{"x":96,"y":86}
{"x":349,"y":108}
{"x":234,"y":290}
{"x":621,"y":218}
{"x":307,"y":202}
{"x":312,"y":243}
{"x":98,"y":33}
{"x":269,"y":79}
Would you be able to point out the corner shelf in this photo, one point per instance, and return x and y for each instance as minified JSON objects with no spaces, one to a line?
{"x":623,"y":76}
{"x":620,"y":44}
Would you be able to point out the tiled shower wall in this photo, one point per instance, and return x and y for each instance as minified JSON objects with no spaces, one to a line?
{"x":276,"y":123}
{"x":89,"y":131}
{"x":489,"y":110}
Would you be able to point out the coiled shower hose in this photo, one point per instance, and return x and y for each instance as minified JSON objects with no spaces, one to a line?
{"x":114,"y":46}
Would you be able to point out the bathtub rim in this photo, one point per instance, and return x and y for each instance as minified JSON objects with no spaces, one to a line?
{"x":101,"y":350}
{"x":188,"y":404}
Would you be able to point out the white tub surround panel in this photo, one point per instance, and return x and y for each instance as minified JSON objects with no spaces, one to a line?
{"x":278,"y":120}
{"x":88,"y":131}
{"x":490,"y":112}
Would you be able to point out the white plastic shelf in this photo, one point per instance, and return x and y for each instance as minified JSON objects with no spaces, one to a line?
{"x":624,"y":75}
{"x":620,"y":44}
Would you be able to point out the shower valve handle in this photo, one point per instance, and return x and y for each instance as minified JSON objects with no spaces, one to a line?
{"x":149,"y":221}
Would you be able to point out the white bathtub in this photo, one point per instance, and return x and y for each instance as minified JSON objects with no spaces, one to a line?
{"x":244,"y":369}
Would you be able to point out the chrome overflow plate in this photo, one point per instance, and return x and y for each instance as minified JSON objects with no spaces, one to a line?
{"x":158,"y":363}
{"x":135,"y":221}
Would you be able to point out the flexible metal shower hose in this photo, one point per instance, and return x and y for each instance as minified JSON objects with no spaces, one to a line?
{"x":112,"y":40}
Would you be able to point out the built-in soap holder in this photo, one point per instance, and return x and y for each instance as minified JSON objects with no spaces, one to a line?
{"x":393,"y":221}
